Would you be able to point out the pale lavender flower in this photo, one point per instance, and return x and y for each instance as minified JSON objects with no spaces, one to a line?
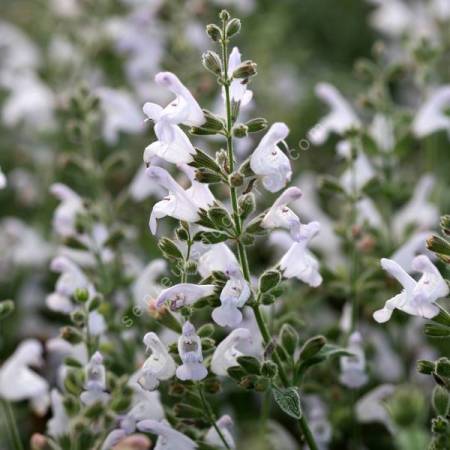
{"x":269,"y":162}
{"x":417,"y":297}
{"x":95,"y":385}
{"x":299,"y":262}
{"x":58,"y":425}
{"x":190,"y":351}
{"x":353,"y":368}
{"x":168,"y":437}
{"x":184,"y":294}
{"x":238,"y":89}
{"x":218,"y":258}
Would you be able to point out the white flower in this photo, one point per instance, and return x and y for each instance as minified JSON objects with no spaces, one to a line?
{"x":145,"y":286}
{"x":190,"y":351}
{"x":367,"y":212}
{"x":65,"y":214}
{"x":353,"y":368}
{"x":340,"y":119}
{"x":3,"y":181}
{"x":299,"y":262}
{"x":120,"y":114}
{"x":225,"y":425}
{"x":370,"y":407}
{"x":158,"y":366}
{"x":184,"y":294}
{"x":18,"y":382}
{"x":227,"y":352}
{"x":218,"y":258}
{"x":417,"y":297}
{"x":198,"y":192}
{"x":173,"y":145}
{"x":408,"y":214}
{"x":392,"y":17}
{"x":238,"y":88}
{"x":269,"y":162}
{"x":95,"y":381}
{"x":178,"y":203}
{"x":356,"y":177}
{"x":71,"y":279}
{"x":280,"y":216}
{"x":234,"y":295}
{"x":58,"y":425}
{"x":382,"y":131}
{"x":431,"y":116}
{"x":168,"y":438}
{"x":318,"y":421}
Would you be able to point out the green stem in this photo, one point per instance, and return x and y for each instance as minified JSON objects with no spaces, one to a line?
{"x":210,"y":415}
{"x":241,"y":248}
{"x":11,"y":424}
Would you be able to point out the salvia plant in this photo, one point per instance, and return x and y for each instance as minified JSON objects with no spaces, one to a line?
{"x":149,"y":355}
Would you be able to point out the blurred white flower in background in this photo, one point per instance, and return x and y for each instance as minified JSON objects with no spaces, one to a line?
{"x":3,"y":180}
{"x":225,"y":425}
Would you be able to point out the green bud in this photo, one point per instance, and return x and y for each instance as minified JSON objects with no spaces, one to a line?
{"x":425,"y":367}
{"x":72,"y":335}
{"x":289,"y":338}
{"x":233,"y":27}
{"x":240,"y":130}
{"x":169,"y":249}
{"x":250,"y":364}
{"x":269,"y":280}
{"x":73,"y":383}
{"x":439,"y":246}
{"x":203,"y":160}
{"x":267,"y":299}
{"x":248,"y":382}
{"x":6,"y":308}
{"x":181,"y":234}
{"x":94,"y":304}
{"x":212,"y":122}
{"x":206,"y":330}
{"x":312,"y":346}
{"x":245,"y":70}
{"x":206,"y":176}
{"x":224,"y":15}
{"x":236,"y":179}
{"x":269,"y":369}
{"x":255,"y":125}
{"x":443,"y":367}
{"x":212,"y":385}
{"x":441,"y":400}
{"x":236,"y":372}
{"x":211,"y":61}
{"x":78,"y":318}
{"x":214,"y":32}
{"x":247,"y":204}
{"x":445,"y":224}
{"x":81,"y":295}
{"x":439,"y":425}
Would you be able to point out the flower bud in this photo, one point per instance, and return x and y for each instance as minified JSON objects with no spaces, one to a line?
{"x":269,"y":280}
{"x":441,"y":400}
{"x":289,"y":338}
{"x":269,"y":369}
{"x":212,"y":122}
{"x":78,"y":317}
{"x":236,"y":179}
{"x":250,"y":364}
{"x":233,"y":27}
{"x":445,"y":224}
{"x":246,"y":204}
{"x":425,"y":367}
{"x":245,"y":70}
{"x":6,"y":308}
{"x":212,"y":385}
{"x":72,"y":335}
{"x":224,"y":15}
{"x":211,"y":62}
{"x":439,"y":425}
{"x":206,"y":176}
{"x":39,"y":442}
{"x":81,"y":295}
{"x":312,"y":346}
{"x":169,"y":249}
{"x":214,"y":32}
{"x":255,"y":125}
{"x":240,"y":130}
{"x":71,"y":405}
{"x":443,"y":367}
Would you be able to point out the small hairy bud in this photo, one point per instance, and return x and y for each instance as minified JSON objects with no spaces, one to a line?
{"x":425,"y":367}
{"x":236,"y":179}
{"x":233,"y":27}
{"x":441,"y":400}
{"x":289,"y":338}
{"x":211,"y":62}
{"x":72,"y":335}
{"x":240,"y":130}
{"x":269,"y":369}
{"x":6,"y":308}
{"x":245,"y":70}
{"x":443,"y":367}
{"x":255,"y":125}
{"x":224,"y":15}
{"x":246,"y":204}
{"x":214,"y":32}
{"x":81,"y":295}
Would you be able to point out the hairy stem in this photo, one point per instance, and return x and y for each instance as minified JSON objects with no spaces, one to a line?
{"x":241,"y":248}
{"x":210,"y":415}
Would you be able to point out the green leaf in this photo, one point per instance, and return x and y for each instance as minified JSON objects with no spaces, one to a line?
{"x":169,"y":249}
{"x":289,"y":401}
{"x":249,"y":364}
{"x":269,"y":280}
{"x":437,"y":331}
